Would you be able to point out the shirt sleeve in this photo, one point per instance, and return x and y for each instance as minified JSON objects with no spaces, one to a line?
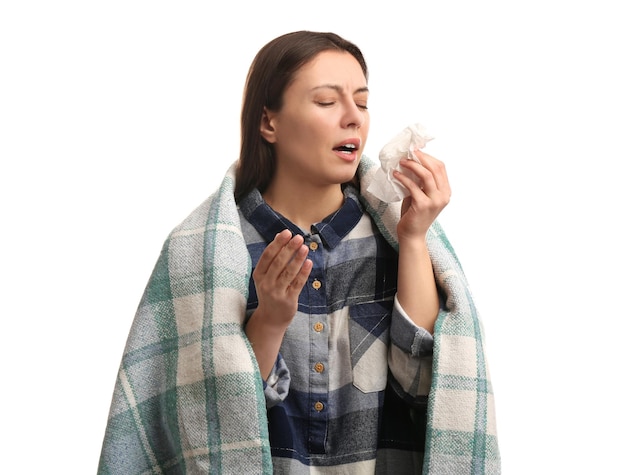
{"x":413,"y":339}
{"x":410,"y":355}
{"x":276,"y":386}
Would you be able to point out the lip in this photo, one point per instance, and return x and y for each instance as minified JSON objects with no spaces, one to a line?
{"x":348,"y":156}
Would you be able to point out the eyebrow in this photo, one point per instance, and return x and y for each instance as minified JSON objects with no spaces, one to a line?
{"x":339,"y":89}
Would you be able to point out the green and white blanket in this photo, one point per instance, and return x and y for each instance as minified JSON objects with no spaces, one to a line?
{"x":189,"y":397}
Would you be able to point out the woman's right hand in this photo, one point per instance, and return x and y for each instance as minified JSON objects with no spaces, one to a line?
{"x":279,"y":276}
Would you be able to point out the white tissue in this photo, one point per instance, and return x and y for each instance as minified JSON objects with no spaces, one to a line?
{"x":384,"y":186}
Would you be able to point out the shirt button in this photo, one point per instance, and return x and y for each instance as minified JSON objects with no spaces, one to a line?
{"x":318,"y":406}
{"x":319,"y":367}
{"x":318,"y":327}
{"x":313,"y":246}
{"x":316,"y":284}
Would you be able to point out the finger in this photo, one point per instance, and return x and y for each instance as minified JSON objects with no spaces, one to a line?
{"x":272,"y":250}
{"x":416,"y":169}
{"x":431,"y":174}
{"x":437,"y":168}
{"x":300,"y":279}
{"x":289,"y":270}
{"x":415,"y":177}
{"x":421,"y":184}
{"x":292,"y":253}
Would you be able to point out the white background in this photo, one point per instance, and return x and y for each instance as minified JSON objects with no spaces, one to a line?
{"x":117,"y":118}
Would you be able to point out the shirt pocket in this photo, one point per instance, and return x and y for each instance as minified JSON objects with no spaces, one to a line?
{"x":369,"y":340}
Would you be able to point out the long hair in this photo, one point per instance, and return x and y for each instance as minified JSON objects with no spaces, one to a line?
{"x":271,"y":72}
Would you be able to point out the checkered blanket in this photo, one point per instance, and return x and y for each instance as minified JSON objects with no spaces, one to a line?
{"x":189,"y":397}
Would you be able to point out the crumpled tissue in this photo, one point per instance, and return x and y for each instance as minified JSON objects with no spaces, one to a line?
{"x":384,"y":186}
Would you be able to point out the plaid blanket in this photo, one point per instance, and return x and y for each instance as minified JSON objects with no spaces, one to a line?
{"x":189,"y":397}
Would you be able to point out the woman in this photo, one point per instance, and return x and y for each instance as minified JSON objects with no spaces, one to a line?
{"x":288,"y":325}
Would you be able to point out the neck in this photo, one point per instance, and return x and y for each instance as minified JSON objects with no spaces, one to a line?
{"x":303,"y":204}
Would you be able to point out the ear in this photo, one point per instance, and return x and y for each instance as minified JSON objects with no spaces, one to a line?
{"x":268,"y":131}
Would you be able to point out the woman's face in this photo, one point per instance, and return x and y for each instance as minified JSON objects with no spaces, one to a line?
{"x":321,"y":130}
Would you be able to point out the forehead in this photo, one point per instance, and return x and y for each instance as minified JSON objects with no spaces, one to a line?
{"x":331,"y":67}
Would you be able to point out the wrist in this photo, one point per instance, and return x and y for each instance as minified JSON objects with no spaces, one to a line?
{"x":412,"y":242}
{"x":263,"y":322}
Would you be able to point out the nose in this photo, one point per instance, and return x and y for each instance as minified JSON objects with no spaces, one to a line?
{"x":353,"y":115}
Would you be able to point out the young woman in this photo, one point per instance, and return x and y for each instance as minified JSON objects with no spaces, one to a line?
{"x":288,"y":325}
{"x":310,"y":123}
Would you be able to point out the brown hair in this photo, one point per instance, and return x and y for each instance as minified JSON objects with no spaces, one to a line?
{"x":272,"y":70}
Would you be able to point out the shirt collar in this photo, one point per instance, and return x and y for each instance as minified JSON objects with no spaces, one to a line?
{"x":331,"y":229}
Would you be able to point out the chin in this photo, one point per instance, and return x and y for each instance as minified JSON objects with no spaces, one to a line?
{"x":348,"y":179}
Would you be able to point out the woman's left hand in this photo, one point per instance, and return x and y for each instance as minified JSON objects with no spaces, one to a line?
{"x":429,"y":193}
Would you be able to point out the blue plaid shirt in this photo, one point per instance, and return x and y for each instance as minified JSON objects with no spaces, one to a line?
{"x":349,"y":387}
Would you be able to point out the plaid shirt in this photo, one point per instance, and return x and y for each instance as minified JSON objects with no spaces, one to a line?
{"x":353,"y":372}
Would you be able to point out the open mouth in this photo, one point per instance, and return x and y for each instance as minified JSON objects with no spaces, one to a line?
{"x":347,"y":148}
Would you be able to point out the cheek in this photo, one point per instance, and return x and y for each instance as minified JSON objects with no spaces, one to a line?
{"x":305,"y":134}
{"x":365,"y":130}
{"x":366,"y":123}
{"x":294,"y":125}
{"x":295,"y":139}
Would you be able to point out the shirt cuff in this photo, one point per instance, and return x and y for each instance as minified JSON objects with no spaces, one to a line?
{"x":276,"y":387}
{"x":406,"y":335}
